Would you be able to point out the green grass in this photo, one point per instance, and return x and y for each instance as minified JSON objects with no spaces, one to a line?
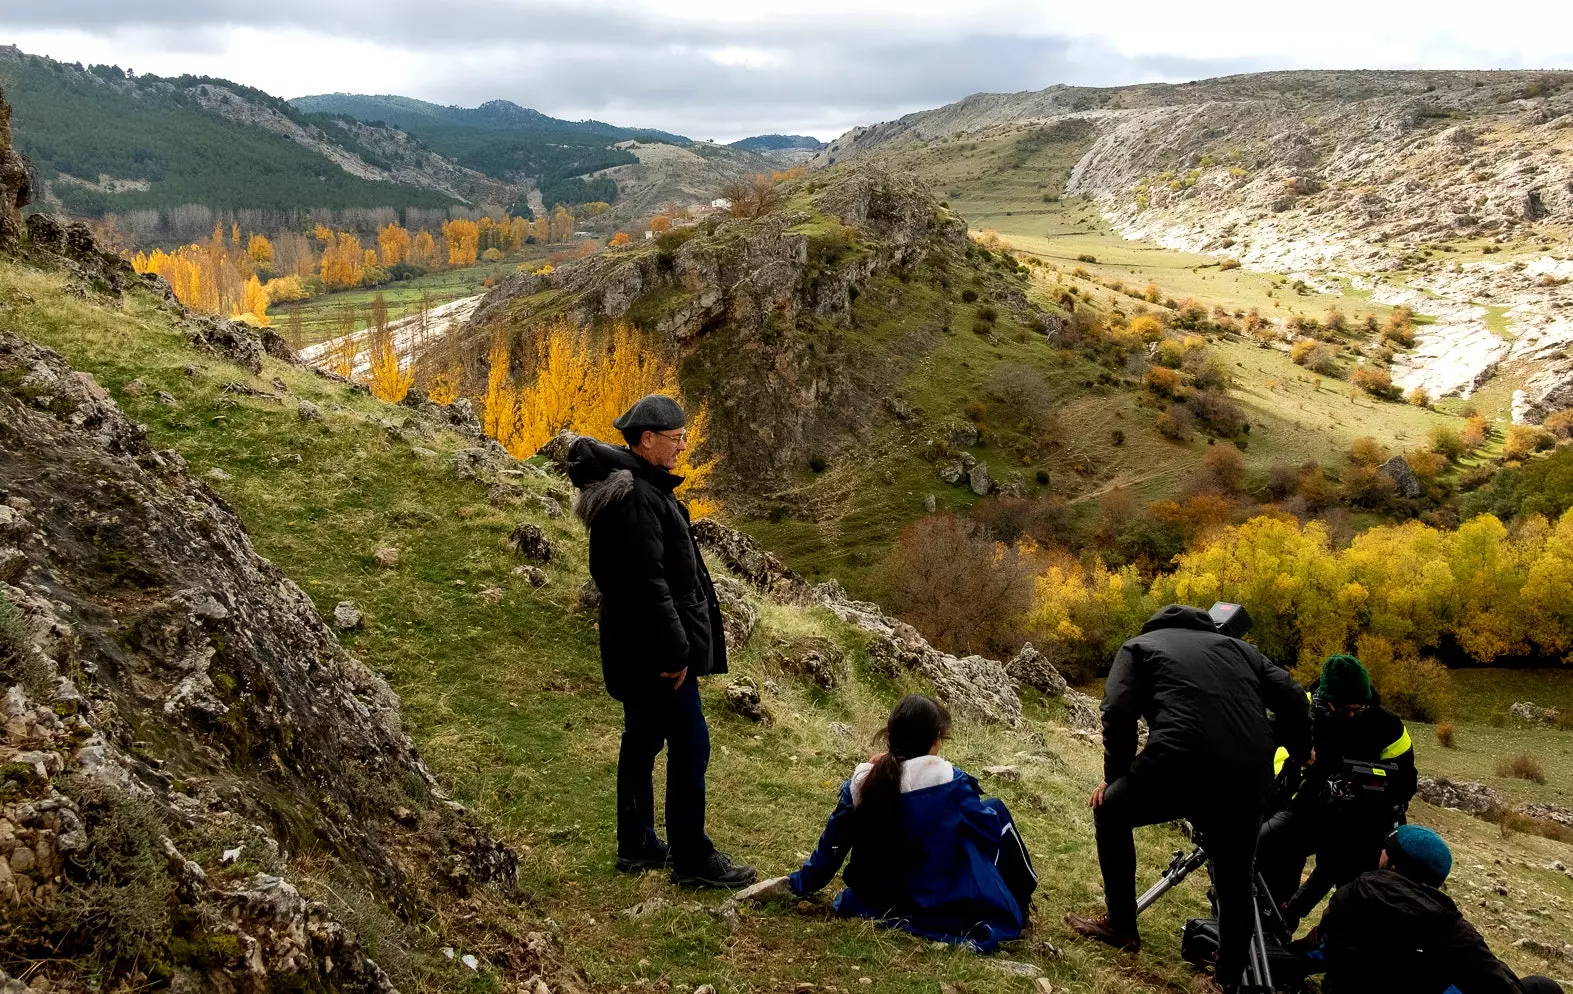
{"x":320,"y":316}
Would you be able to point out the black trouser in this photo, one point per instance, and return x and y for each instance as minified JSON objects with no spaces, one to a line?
{"x":672,"y":718}
{"x":1539,"y":985}
{"x":1345,"y":844}
{"x":1228,"y":827}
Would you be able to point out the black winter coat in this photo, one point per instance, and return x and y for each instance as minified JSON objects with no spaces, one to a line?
{"x":659,"y":611}
{"x":1386,"y":934}
{"x":1375,"y":735}
{"x":1205,"y":697}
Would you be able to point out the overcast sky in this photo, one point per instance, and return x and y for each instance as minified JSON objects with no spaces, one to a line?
{"x":726,"y":69}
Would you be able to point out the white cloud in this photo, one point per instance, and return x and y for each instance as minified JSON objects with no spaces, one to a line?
{"x":724,"y":69}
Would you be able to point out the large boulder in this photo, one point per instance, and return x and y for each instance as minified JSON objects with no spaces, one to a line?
{"x":1031,"y":667}
{"x":1531,"y":713}
{"x":1459,"y":795}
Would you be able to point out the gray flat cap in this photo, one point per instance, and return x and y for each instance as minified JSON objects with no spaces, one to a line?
{"x":657,"y":412}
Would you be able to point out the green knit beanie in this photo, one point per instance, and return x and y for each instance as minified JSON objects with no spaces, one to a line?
{"x":1345,"y":681}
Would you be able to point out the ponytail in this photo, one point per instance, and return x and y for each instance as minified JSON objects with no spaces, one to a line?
{"x":916,"y":723}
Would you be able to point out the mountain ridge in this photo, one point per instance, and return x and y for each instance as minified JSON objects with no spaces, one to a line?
{"x":492,"y":114}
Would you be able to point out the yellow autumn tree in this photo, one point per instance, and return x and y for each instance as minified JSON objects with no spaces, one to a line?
{"x":620,"y":239}
{"x":389,"y":380}
{"x":343,"y":262}
{"x":423,"y":250}
{"x":393,"y":242}
{"x":463,"y":239}
{"x":582,"y":380}
{"x":261,"y":252}
{"x":254,"y":304}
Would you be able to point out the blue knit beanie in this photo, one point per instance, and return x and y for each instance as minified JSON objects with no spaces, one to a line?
{"x":1419,"y":854}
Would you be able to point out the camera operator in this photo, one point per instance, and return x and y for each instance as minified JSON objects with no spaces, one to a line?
{"x":1343,"y":803}
{"x":1209,"y":758}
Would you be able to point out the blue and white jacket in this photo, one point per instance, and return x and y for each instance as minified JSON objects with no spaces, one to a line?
{"x":956,"y":894}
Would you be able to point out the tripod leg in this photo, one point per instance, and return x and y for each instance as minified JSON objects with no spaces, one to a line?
{"x":1177,"y":871}
{"x":1259,"y":951}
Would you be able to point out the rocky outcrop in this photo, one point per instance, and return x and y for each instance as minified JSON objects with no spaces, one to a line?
{"x":814,"y":658}
{"x":759,"y":309}
{"x":167,"y":694}
{"x":1460,"y":795}
{"x":974,"y":686}
{"x":16,"y":190}
{"x":1032,"y":668}
{"x":1531,"y":713}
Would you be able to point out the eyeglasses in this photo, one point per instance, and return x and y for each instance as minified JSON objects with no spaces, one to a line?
{"x":1347,"y":710}
{"x":680,"y":438}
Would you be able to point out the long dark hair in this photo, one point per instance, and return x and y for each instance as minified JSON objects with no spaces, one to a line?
{"x":915,"y":724}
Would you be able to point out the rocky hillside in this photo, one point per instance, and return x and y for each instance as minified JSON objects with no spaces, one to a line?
{"x":187,"y":751}
{"x":773,"y":313}
{"x":1449,"y":192}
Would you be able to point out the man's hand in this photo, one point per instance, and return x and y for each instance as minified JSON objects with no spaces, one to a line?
{"x":1312,"y":760}
{"x":1096,"y":801}
{"x":679,"y":676}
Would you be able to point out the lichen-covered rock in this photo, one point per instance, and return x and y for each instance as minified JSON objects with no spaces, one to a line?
{"x":148,"y":608}
{"x":1031,"y":667}
{"x":1082,"y":712}
{"x":749,"y":560}
{"x":743,"y":699}
{"x":529,"y":541}
{"x":814,"y":658}
{"x":738,"y":617}
{"x":1531,"y":713}
{"x":16,"y":190}
{"x":1460,"y":795}
{"x":1408,"y":484}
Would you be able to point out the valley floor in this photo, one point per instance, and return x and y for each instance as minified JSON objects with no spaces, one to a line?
{"x":502,"y":691}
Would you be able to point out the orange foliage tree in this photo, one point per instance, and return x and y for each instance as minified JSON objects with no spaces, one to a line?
{"x":620,"y":239}
{"x":393,"y":241}
{"x":463,"y":239}
{"x":582,"y":380}
{"x":343,"y":261}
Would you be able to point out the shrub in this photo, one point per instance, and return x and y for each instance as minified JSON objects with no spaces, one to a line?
{"x":1228,"y":264}
{"x":1445,"y":442}
{"x":1522,"y":767}
{"x":1218,"y":412}
{"x":1475,"y":432}
{"x":1023,"y":390}
{"x":1087,"y":258}
{"x":1334,"y":321}
{"x":1420,"y":397}
{"x":1162,"y":381}
{"x":752,"y":196}
{"x":1369,"y":487}
{"x":1525,"y":440}
{"x":963,"y":590}
{"x":982,"y":328}
{"x":494,"y":254}
{"x":1152,"y":294}
{"x":1413,"y":687}
{"x":1225,"y":467}
{"x":1315,"y":356}
{"x":817,"y":463}
{"x":1375,"y":382}
{"x":1446,"y":735}
{"x":969,"y":295}
{"x":988,"y":313}
{"x":1367,"y":451}
{"x":1400,"y":327}
{"x":1175,"y":423}
{"x":1560,"y":423}
{"x":1427,"y":465}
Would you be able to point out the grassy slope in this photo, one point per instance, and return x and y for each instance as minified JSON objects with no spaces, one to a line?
{"x":505,"y":701}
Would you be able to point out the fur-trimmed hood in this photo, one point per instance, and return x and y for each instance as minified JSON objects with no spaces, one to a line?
{"x":605,"y":475}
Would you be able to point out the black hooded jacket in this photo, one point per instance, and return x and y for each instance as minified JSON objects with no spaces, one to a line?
{"x":1375,"y":735}
{"x":1386,"y":934}
{"x":1205,"y":697}
{"x":659,"y":611}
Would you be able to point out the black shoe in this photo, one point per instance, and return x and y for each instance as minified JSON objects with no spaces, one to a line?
{"x":717,"y":871}
{"x":656,"y":857}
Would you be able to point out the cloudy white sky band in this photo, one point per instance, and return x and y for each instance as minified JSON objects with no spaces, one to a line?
{"x":725,"y":69}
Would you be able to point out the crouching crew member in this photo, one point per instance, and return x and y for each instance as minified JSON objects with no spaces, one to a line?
{"x":1391,"y":931}
{"x":1343,"y":803}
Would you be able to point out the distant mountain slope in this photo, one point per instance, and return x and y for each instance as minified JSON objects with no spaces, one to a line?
{"x":1447,"y":192}
{"x":777,"y":143}
{"x":102,"y":141}
{"x":410,"y":114}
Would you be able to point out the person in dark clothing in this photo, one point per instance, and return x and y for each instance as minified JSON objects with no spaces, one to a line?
{"x":1343,"y":803}
{"x":1391,"y":931}
{"x":1209,"y":754}
{"x":660,"y":624}
{"x":924,"y":850}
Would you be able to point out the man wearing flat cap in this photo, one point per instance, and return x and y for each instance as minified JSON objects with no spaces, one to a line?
{"x":660,"y":631}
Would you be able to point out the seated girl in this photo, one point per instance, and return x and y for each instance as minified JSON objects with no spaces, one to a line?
{"x":928,"y":853}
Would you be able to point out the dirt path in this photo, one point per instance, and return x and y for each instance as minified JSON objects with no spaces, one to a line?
{"x":410,"y":335}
